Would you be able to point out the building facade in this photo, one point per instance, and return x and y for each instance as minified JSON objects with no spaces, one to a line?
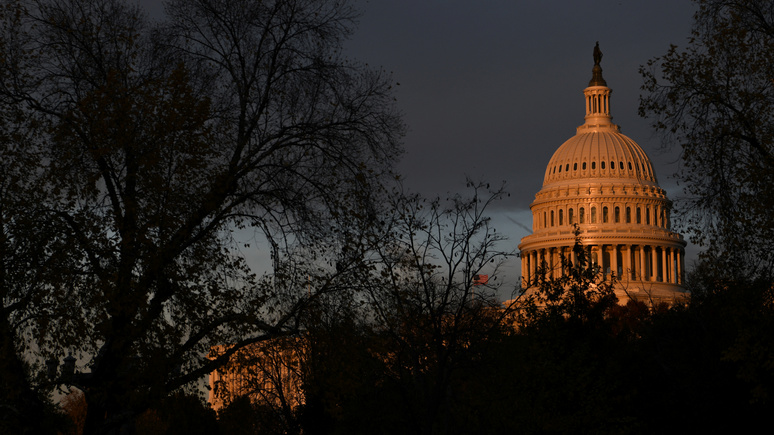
{"x":603,"y":185}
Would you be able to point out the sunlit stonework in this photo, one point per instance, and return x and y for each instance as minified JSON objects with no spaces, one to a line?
{"x":603,"y":182}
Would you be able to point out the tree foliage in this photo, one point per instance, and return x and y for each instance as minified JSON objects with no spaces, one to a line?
{"x":391,"y":356}
{"x":714,"y":98}
{"x":580,"y":295}
{"x":134,"y":153}
{"x":430,"y":305}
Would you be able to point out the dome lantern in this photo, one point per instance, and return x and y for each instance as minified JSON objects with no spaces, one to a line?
{"x":597,"y":95}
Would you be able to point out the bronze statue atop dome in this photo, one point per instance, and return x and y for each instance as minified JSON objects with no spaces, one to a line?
{"x":596,"y":77}
{"x":597,"y":54}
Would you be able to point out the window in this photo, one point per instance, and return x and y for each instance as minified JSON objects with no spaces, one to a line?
{"x":582,"y":215}
{"x":628,"y":215}
{"x":566,"y":167}
{"x":570,"y":216}
{"x":604,"y":215}
{"x":575,"y":166}
{"x":561,"y":217}
{"x":647,"y":215}
{"x":617,"y":214}
{"x":612,"y":165}
{"x":593,"y":215}
{"x":630,"y":166}
{"x":584,"y":166}
{"x":603,"y":165}
{"x":620,"y":165}
{"x":593,"y":165}
{"x":560,"y":169}
{"x":544,"y":219}
{"x":639,"y":215}
{"x":552,"y":218}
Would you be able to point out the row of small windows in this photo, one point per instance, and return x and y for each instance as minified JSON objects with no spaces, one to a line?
{"x":594,"y":166}
{"x":606,"y":218}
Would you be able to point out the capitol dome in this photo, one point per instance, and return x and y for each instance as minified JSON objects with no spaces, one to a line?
{"x":602,"y":183}
{"x":603,"y":153}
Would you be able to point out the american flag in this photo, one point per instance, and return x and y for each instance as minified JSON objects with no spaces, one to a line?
{"x":480,"y":279}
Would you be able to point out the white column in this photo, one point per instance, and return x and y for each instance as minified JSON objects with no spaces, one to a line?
{"x":550,"y":255}
{"x":573,"y":256}
{"x":524,"y":273}
{"x":589,"y":261}
{"x":627,"y":260}
{"x":642,"y":263}
{"x":613,"y":260}
{"x":672,"y":266}
{"x":653,"y":264}
{"x":561,"y":262}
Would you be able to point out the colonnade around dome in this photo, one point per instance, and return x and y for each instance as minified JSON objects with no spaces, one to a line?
{"x":632,"y":265}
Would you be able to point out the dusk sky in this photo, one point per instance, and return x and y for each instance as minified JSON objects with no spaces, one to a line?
{"x":490,"y":89}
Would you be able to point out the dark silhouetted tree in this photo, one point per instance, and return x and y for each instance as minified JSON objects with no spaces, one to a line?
{"x":714,"y":99}
{"x":154,"y":147}
{"x":396,"y":362}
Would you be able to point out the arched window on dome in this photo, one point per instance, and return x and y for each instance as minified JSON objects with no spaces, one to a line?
{"x":561,"y":217}
{"x":575,"y":166}
{"x":639,"y":215}
{"x":602,"y":163}
{"x":612,"y":165}
{"x":593,"y":165}
{"x":647,"y":215}
{"x":566,"y":167}
{"x":560,"y":169}
{"x":584,"y":166}
{"x":604,"y":215}
{"x":628,"y":215}
{"x":593,"y":215}
{"x":620,"y":165}
{"x":617,"y":215}
{"x":582,"y":215}
{"x":630,"y":166}
{"x":544,"y":219}
{"x":570,"y":217}
{"x":552,"y":218}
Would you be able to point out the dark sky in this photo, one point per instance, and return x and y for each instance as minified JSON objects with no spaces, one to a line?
{"x":491,"y":88}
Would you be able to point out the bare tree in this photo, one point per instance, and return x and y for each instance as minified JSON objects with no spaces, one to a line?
{"x":714,"y":99}
{"x":157,"y":144}
{"x":433,"y":295}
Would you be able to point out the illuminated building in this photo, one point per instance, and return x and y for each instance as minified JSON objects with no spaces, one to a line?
{"x":602,"y":183}
{"x":268,"y":372}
